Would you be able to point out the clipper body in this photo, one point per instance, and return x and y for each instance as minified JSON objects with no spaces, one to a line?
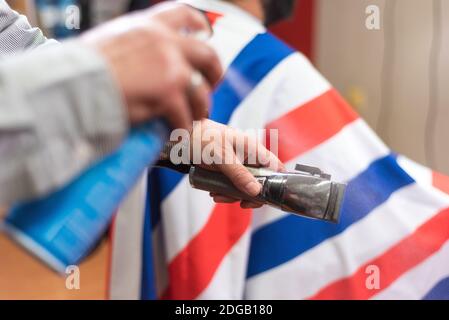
{"x":305,"y":192}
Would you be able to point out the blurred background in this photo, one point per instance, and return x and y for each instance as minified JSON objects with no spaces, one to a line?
{"x":395,"y":77}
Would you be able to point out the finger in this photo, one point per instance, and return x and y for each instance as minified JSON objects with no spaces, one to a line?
{"x":198,"y":94}
{"x":224,"y":199}
{"x":139,"y":113}
{"x":181,"y":17}
{"x":178,"y":112}
{"x":250,"y":205}
{"x":268,"y":159}
{"x":202,"y":58}
{"x":213,"y":195}
{"x":263,"y":157}
{"x":240,"y":176}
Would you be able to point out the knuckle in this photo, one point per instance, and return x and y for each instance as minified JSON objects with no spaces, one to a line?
{"x":199,"y":18}
{"x":176,"y":80}
{"x":174,"y":75}
{"x":209,"y":54}
{"x":187,"y":13}
{"x":183,"y":11}
{"x":182,"y":76}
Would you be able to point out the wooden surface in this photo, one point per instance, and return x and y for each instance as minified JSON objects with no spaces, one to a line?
{"x":24,"y":277}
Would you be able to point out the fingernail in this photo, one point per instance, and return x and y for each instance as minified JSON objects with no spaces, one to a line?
{"x":253,"y":188}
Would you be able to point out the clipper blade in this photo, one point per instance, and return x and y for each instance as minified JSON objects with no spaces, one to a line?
{"x":335,"y":204}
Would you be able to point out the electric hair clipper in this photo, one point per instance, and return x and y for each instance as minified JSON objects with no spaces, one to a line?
{"x":306,"y":192}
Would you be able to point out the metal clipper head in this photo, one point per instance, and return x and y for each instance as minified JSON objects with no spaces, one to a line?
{"x":306,"y":192}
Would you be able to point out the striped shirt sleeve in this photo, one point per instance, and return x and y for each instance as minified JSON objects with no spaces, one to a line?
{"x":16,"y":34}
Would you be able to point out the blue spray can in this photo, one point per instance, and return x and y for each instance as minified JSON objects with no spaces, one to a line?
{"x":64,"y":227}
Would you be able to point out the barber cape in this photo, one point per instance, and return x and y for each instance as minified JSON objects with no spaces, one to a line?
{"x":172,"y":242}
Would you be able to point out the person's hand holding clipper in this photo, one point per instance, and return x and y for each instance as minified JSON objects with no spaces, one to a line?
{"x":236,"y":167}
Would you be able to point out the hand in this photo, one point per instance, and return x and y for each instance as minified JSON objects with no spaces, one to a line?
{"x":229,"y":157}
{"x":155,"y":64}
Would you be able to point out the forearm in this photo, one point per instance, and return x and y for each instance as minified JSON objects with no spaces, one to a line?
{"x":60,"y":110}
